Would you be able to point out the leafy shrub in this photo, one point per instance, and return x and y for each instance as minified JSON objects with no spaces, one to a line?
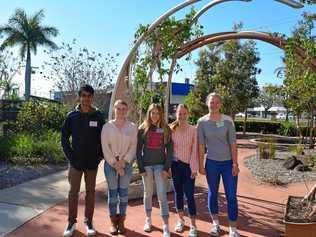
{"x":5,"y":147}
{"x":23,"y":145}
{"x":267,"y":150}
{"x":297,"y":150}
{"x":287,"y":128}
{"x":36,"y":117}
{"x":30,"y":149}
{"x":268,"y":127}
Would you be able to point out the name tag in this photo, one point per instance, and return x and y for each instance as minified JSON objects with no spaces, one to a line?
{"x":93,"y":123}
{"x":220,"y":124}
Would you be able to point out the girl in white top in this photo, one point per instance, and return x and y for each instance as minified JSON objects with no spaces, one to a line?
{"x":119,"y":141}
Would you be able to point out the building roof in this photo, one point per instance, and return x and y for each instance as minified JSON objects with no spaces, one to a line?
{"x":181,"y":88}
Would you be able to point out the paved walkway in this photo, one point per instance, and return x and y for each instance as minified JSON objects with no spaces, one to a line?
{"x":25,"y":201}
{"x":260,"y":210}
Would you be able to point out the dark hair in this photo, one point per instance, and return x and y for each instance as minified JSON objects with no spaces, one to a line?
{"x":86,"y":88}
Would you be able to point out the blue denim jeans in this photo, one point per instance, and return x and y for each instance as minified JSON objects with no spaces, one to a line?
{"x":154,"y":173}
{"x":117,"y":188}
{"x":183,"y":185}
{"x":215,"y":170}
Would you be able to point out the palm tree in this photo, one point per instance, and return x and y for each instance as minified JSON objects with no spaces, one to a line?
{"x":9,"y":89}
{"x":27,"y":33}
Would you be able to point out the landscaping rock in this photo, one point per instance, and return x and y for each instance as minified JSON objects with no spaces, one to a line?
{"x":291,"y":162}
{"x":302,"y":167}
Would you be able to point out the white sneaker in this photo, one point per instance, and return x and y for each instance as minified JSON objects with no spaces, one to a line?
{"x":147,"y":225}
{"x":234,"y":234}
{"x":215,"y":231}
{"x":179,"y":226}
{"x":69,"y":229}
{"x":165,"y":231}
{"x":193,"y":232}
{"x":90,"y":229}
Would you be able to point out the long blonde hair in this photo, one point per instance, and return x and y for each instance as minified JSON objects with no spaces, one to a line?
{"x":161,"y":122}
{"x":175,"y":124}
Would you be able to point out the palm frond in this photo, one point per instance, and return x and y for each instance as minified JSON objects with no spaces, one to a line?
{"x":49,"y":31}
{"x":38,"y":17}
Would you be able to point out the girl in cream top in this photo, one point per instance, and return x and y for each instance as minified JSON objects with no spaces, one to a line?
{"x":119,"y":143}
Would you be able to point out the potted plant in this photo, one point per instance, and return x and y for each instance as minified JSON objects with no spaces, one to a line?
{"x":300,"y":215}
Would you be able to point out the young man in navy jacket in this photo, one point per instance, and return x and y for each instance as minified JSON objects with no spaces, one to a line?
{"x":84,"y":153}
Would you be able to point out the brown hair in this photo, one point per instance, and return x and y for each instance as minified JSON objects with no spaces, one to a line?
{"x":175,"y":124}
{"x":161,"y":122}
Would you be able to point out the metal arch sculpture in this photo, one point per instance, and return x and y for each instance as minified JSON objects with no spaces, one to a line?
{"x":223,"y":36}
{"x":121,"y":89}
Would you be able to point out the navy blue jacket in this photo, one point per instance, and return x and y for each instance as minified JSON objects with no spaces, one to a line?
{"x":84,"y":152}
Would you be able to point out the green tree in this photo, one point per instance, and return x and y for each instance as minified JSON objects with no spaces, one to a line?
{"x":228,"y":68}
{"x":158,"y":57}
{"x":310,"y":2}
{"x":28,"y":33}
{"x":206,"y":69}
{"x":300,"y":79}
{"x":267,"y":98}
{"x":9,"y":65}
{"x":10,"y":90}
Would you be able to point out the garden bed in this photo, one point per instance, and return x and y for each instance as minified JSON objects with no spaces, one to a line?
{"x":272,"y":170}
{"x":11,"y":175}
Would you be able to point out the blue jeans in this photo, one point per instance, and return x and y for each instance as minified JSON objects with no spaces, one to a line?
{"x":154,"y":172}
{"x":117,"y":188}
{"x":214,"y":170}
{"x":183,"y":185}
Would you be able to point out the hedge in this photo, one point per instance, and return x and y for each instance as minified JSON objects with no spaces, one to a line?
{"x":271,"y":127}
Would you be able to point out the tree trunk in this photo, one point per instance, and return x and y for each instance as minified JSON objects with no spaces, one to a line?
{"x":245,"y":123}
{"x":298,"y":127}
{"x":152,"y":68}
{"x":169,"y":88}
{"x":28,"y":71}
{"x":311,"y":130}
{"x":265,"y":113}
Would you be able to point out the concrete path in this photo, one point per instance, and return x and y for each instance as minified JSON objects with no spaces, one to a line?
{"x":25,"y":201}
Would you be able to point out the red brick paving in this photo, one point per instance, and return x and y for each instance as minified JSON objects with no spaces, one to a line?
{"x":260,"y":211}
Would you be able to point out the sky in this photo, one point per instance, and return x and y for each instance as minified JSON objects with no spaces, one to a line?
{"x":109,"y":26}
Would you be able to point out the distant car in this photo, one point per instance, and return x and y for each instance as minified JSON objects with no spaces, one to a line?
{"x":280,"y":116}
{"x":240,"y":115}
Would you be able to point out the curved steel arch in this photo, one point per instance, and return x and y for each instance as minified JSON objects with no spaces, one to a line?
{"x":289,"y":3}
{"x":223,"y":36}
{"x":122,"y":83}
